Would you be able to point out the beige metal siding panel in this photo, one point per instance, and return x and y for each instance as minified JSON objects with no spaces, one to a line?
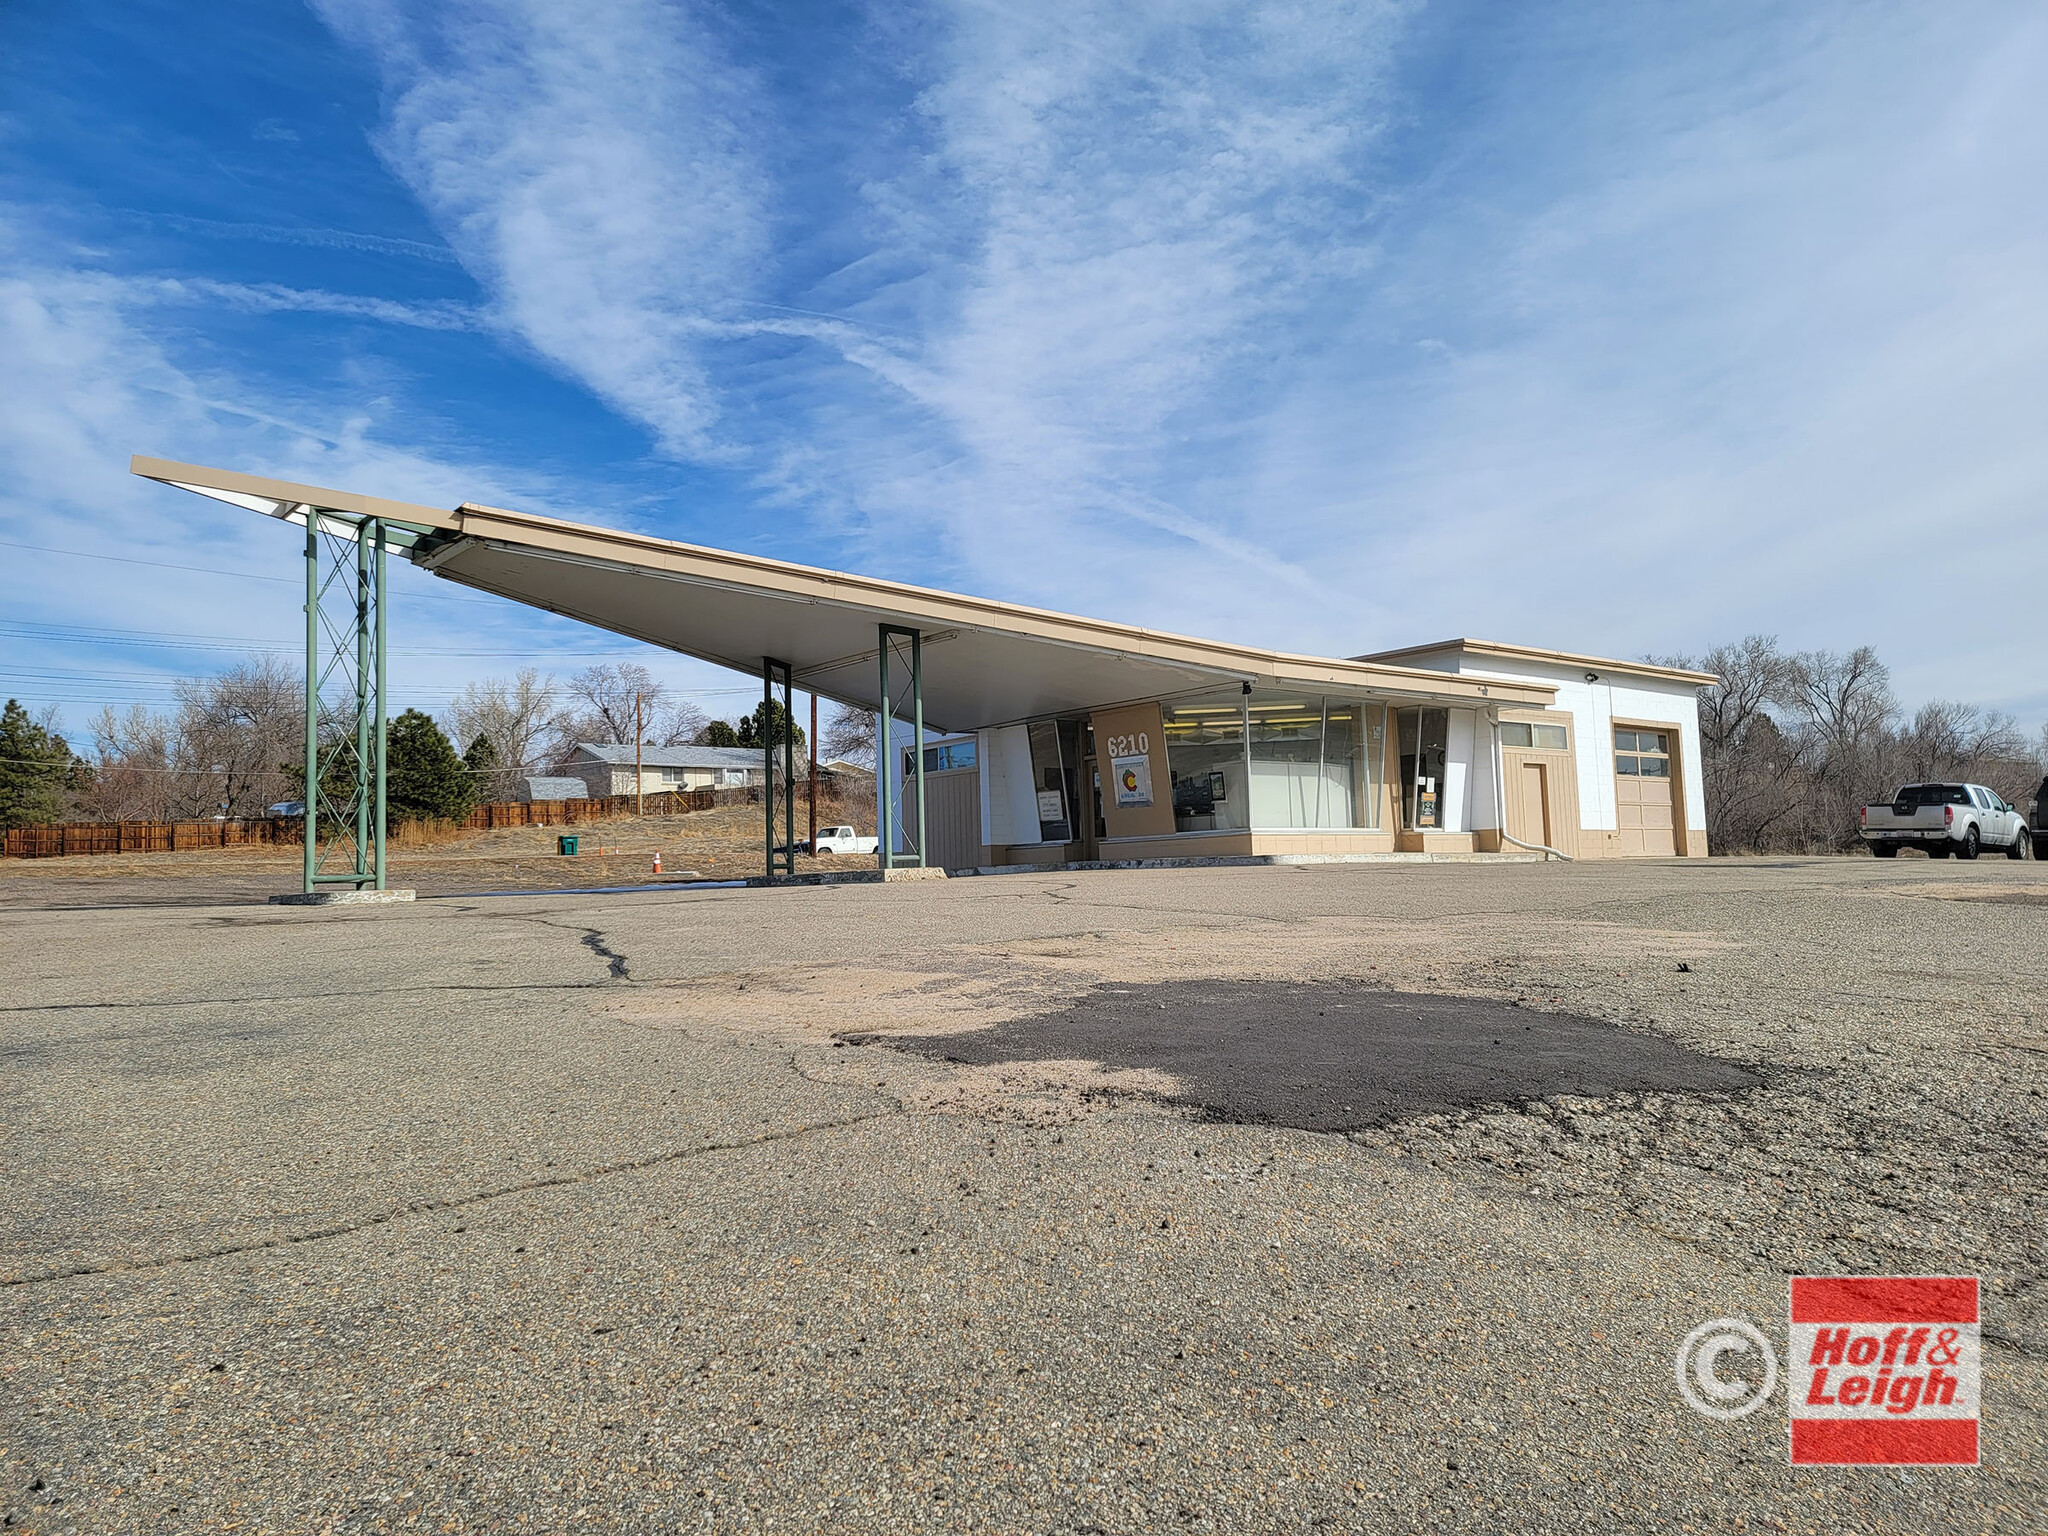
{"x":952,"y":818}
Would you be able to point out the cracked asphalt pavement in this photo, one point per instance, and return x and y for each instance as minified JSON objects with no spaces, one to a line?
{"x":1020,"y":1204}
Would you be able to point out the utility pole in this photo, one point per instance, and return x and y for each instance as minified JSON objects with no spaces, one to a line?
{"x":639,"y":734}
{"x":814,"y":775}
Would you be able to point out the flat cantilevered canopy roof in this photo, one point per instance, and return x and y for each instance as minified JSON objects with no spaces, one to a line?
{"x":986,"y":662}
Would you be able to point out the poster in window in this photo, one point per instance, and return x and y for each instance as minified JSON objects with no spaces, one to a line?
{"x":1133,"y":777}
{"x":1052,"y":806}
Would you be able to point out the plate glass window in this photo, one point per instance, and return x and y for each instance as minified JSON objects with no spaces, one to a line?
{"x":1050,"y":779}
{"x":1314,"y":761}
{"x":1424,"y":743}
{"x":1205,"y":755}
{"x":943,"y":756}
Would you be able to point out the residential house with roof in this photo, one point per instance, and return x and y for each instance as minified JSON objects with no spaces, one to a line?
{"x":607,"y":768}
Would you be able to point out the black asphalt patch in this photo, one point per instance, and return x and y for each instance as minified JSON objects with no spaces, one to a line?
{"x":1337,"y":1056}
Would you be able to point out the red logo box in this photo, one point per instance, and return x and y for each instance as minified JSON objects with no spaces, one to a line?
{"x":1884,"y":1371}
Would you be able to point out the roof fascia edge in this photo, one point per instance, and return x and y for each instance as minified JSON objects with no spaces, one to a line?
{"x":1508,"y":651}
{"x":202,"y":478}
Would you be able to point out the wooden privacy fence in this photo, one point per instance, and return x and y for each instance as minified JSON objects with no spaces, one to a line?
{"x":181,"y":836}
{"x":146,"y":836}
{"x":566,"y":813}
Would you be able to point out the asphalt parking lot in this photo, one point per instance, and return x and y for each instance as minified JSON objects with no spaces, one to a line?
{"x":1349,"y":1198}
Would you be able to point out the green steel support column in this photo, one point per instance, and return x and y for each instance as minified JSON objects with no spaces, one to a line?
{"x":362,"y":796}
{"x":917,"y":729}
{"x":885,"y":839}
{"x":311,"y":788}
{"x":894,"y":817}
{"x":789,"y":769}
{"x":770,"y":670}
{"x":380,"y":705}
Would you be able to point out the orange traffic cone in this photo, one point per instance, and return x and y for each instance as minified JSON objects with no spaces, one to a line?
{"x":657,"y":861}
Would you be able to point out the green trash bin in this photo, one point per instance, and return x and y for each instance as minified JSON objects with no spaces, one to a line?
{"x":566,"y":843}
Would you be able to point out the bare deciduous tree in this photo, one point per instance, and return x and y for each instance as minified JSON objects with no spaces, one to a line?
{"x":517,"y":716}
{"x":679,"y":724}
{"x":236,"y":735}
{"x":601,"y":708}
{"x":1792,"y":746}
{"x":848,"y":735}
{"x":132,"y":777}
{"x":1743,"y":752}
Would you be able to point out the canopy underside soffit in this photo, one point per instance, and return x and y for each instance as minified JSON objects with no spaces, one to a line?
{"x":985,"y":663}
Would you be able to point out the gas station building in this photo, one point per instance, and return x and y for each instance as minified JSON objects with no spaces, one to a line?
{"x":1013,"y":735}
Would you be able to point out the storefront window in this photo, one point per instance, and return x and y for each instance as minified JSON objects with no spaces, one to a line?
{"x":1051,"y":780}
{"x":1314,"y":761}
{"x":1205,"y":754}
{"x":1287,"y":759}
{"x":1354,"y":747}
{"x":1424,"y":738}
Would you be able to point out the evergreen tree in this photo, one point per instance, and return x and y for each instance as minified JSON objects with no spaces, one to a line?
{"x":35,"y":766}
{"x":482,"y":762}
{"x":423,"y":778}
{"x":718,"y":734}
{"x":766,"y":724}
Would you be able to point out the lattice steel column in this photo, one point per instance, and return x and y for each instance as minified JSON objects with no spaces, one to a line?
{"x":345,"y":784}
{"x":892,"y":816}
{"x":771,"y":672}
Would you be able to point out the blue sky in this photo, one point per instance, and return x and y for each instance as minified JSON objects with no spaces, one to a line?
{"x":1613,"y":328}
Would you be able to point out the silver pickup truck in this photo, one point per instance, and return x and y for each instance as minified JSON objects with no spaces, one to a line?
{"x":1941,"y":819}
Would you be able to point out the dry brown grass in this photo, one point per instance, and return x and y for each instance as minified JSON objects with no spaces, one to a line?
{"x":435,"y":833}
{"x":725,"y":843}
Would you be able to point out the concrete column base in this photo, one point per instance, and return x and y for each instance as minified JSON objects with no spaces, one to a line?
{"x":340,"y":898}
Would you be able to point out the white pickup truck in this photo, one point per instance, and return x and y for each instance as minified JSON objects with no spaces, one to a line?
{"x":843,"y":840}
{"x":1945,"y":818}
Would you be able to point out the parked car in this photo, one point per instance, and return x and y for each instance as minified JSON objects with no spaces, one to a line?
{"x":2039,"y":810}
{"x":843,"y":840}
{"x":287,"y":808}
{"x":1946,"y":818}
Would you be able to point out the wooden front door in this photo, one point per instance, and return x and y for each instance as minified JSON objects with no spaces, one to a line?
{"x":1535,"y":806}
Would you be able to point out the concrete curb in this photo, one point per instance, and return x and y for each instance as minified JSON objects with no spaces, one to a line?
{"x":854,"y":877}
{"x":1240,"y":860}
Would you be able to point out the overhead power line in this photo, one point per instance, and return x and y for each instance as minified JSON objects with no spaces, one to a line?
{"x":214,"y":570}
{"x":80,"y":634}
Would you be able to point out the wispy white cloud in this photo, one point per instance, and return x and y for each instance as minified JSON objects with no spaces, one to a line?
{"x":1160,"y":196}
{"x":596,"y":168}
{"x":605,"y":182}
{"x":280,"y":234}
{"x":90,"y":382}
{"x":277,"y":299}
{"x":1770,"y":329}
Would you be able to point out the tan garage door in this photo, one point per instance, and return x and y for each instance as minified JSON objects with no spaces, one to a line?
{"x":1642,"y":792}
